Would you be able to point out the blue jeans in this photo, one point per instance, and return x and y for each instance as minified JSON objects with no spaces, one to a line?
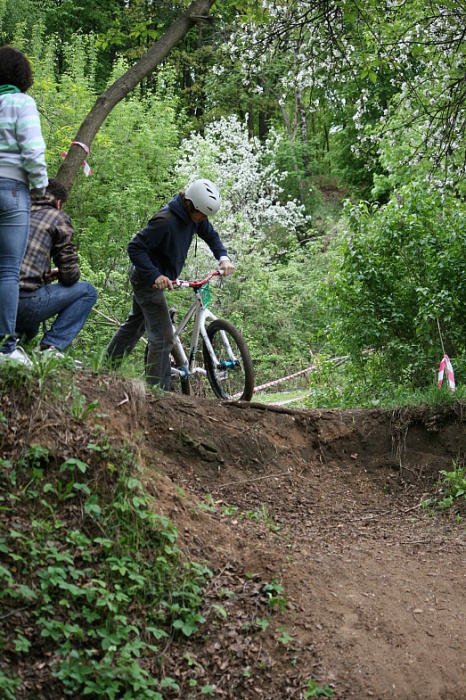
{"x":15,"y":205}
{"x":149,"y":314}
{"x":71,"y":306}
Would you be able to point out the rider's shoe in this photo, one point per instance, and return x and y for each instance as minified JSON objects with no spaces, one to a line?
{"x":18,"y":356}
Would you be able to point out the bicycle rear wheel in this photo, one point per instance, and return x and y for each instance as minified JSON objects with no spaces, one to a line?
{"x":176,"y":360}
{"x":183,"y":384}
{"x":233,"y":378}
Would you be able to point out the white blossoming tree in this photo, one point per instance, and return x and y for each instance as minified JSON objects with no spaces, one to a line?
{"x":255,"y":213}
{"x":386,"y":73}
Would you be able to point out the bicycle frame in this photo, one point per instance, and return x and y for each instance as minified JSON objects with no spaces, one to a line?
{"x":201,"y":314}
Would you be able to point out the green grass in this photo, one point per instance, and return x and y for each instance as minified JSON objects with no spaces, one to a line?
{"x":295,"y":397}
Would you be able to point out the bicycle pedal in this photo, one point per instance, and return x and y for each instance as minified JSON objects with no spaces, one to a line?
{"x":199,"y":370}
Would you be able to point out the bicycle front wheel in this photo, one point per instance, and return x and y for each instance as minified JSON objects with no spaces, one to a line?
{"x":233,"y":377}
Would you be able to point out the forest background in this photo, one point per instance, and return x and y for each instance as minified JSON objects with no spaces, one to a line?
{"x":335,"y":132}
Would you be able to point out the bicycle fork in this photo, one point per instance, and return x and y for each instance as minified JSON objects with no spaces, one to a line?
{"x":220,"y":365}
{"x":223,"y":365}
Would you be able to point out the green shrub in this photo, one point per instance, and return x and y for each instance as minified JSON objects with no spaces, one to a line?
{"x":400,"y":287}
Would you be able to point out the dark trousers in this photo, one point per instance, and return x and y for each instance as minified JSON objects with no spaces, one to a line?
{"x":149,"y":314}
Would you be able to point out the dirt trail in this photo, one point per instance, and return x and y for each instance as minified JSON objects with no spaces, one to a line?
{"x":329,"y":503}
{"x":328,"y":573}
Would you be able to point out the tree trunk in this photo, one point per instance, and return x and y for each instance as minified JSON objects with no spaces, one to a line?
{"x":291,"y":136}
{"x":302,"y":118}
{"x":197,"y":12}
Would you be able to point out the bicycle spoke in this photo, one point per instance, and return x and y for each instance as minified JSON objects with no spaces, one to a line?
{"x":233,"y":377}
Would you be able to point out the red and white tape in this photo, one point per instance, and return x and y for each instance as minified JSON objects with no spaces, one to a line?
{"x":86,"y":168}
{"x":284,"y":379}
{"x":446,"y":366}
{"x":312,"y":368}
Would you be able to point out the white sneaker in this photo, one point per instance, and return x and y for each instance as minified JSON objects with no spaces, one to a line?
{"x":19,"y":356}
{"x":52,"y":351}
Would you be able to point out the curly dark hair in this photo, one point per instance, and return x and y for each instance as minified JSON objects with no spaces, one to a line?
{"x":57,"y":190}
{"x":15,"y":68}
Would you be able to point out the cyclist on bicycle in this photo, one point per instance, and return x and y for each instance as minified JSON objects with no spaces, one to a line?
{"x":158,"y":253}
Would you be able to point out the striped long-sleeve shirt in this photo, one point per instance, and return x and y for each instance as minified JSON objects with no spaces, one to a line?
{"x":22,"y":147}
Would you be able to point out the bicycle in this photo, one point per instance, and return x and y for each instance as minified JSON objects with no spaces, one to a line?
{"x":227,"y":362}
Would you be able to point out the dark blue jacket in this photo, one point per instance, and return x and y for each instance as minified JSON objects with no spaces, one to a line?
{"x":161,"y":247}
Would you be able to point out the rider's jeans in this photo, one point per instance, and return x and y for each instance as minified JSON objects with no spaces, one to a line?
{"x":149,"y":314}
{"x":127,"y":336}
{"x":71,"y":305}
{"x":14,"y":228}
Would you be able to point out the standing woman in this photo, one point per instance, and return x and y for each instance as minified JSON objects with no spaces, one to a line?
{"x":22,"y":173}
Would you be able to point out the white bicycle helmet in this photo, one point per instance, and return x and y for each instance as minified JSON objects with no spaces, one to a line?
{"x":205,"y":196}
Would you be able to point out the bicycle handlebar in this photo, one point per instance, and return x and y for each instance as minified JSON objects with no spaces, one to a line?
{"x":196,"y":283}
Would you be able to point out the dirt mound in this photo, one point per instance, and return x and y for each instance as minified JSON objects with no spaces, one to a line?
{"x":328,"y":504}
{"x":316,"y":516}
